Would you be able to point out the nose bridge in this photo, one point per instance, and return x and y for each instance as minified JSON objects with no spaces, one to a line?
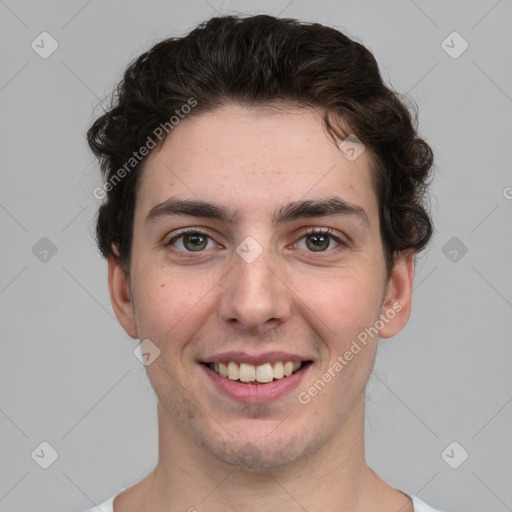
{"x":252,"y":295}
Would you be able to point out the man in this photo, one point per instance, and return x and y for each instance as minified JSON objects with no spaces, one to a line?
{"x":263,"y":205}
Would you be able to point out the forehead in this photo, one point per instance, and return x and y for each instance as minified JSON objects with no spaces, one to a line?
{"x":254,"y":159}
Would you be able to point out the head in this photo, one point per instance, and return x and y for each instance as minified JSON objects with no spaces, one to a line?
{"x":239,"y":130}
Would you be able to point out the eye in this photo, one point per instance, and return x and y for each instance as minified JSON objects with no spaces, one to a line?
{"x":192,"y":241}
{"x":318,"y":240}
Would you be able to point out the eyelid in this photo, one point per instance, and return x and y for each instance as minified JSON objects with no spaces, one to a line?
{"x":336,"y":235}
{"x":187,"y":231}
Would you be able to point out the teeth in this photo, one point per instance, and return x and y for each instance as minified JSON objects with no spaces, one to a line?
{"x":278,"y":370}
{"x":250,"y":373}
{"x":264,"y":373}
{"x":247,"y":373}
{"x":233,"y":371}
{"x":288,"y":368}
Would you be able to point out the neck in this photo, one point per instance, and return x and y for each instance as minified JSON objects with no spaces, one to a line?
{"x":334,"y":477}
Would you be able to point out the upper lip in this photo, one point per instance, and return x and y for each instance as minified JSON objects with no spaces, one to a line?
{"x":255,"y":359}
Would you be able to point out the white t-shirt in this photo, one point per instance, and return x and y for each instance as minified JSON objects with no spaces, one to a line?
{"x":419,"y":506}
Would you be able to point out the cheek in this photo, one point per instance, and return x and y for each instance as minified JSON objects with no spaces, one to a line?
{"x":344,"y":304}
{"x":343,"y":314}
{"x":154,"y":304}
{"x":169,"y":306}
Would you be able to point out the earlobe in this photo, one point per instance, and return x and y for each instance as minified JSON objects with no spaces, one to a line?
{"x":396,"y":308}
{"x":120,"y":294}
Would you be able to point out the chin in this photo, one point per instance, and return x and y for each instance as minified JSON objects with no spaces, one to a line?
{"x":261,"y":451}
{"x":255,"y":456}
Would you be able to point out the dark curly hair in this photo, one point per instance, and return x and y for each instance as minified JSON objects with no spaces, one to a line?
{"x":262,"y":60}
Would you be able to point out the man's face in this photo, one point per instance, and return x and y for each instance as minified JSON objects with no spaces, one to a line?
{"x":258,"y":282}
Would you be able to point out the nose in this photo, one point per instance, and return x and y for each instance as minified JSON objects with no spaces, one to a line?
{"x":255,"y":297}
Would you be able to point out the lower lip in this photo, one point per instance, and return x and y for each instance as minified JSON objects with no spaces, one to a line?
{"x":257,"y":393}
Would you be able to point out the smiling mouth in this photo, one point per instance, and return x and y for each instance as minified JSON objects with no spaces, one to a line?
{"x":257,"y":374}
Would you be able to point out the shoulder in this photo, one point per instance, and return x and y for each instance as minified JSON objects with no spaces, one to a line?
{"x":107,"y":506}
{"x":420,"y":506}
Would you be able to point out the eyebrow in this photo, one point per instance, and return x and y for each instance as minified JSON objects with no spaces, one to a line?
{"x":319,"y":208}
{"x":292,"y":211}
{"x":192,"y":207}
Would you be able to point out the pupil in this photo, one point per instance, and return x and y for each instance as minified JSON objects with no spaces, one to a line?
{"x":318,"y":242}
{"x":195,"y":242}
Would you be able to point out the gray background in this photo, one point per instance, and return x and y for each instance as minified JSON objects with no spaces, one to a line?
{"x":68,"y":373}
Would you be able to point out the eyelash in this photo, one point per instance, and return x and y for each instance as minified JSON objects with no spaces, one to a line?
{"x":311,"y":231}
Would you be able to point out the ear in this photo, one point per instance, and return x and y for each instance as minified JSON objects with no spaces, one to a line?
{"x":396,"y":308}
{"x":120,"y":294}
